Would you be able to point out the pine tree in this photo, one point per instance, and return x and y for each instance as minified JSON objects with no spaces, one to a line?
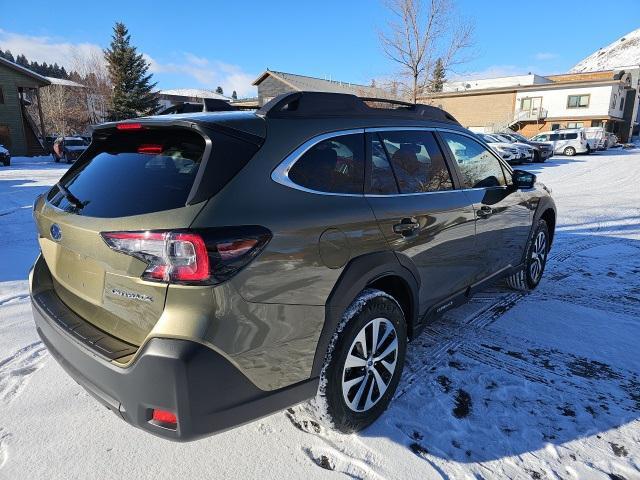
{"x":22,"y":60}
{"x":7,"y":55}
{"x":234,"y":95}
{"x":219,"y":90}
{"x":132,"y":88}
{"x":437,"y":82}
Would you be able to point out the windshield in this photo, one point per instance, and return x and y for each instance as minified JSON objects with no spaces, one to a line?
{"x":502,"y":138}
{"x":517,"y":136}
{"x":489,"y":138}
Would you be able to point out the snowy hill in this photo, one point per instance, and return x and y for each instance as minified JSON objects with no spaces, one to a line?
{"x":623,"y":52}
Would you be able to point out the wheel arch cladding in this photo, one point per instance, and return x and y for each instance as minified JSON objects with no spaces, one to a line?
{"x":382,"y":270}
{"x":549,"y":216}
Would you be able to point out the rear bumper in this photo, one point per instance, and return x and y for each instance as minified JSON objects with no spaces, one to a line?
{"x":206,"y":391}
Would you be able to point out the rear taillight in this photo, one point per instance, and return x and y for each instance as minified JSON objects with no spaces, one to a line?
{"x":208,"y":256}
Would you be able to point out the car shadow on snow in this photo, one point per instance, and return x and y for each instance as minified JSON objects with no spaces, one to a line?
{"x":508,"y":373}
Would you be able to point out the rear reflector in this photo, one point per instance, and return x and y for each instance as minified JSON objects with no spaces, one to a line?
{"x":164,"y":417}
{"x":129,"y":126}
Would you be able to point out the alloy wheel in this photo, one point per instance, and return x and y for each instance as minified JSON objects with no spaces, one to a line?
{"x":370,"y":365}
{"x":538,"y":256}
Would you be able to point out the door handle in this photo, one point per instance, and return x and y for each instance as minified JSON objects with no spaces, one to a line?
{"x":485,"y":211}
{"x":406,"y":227}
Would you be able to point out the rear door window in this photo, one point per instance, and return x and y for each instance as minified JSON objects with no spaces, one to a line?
{"x":382,"y":180}
{"x":335,"y":165}
{"x":133,"y":173}
{"x":417,"y":161}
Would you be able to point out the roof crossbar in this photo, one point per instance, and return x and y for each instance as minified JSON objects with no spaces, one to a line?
{"x":326,"y":104}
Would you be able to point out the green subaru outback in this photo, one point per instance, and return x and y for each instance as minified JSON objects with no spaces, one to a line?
{"x":199,"y":271}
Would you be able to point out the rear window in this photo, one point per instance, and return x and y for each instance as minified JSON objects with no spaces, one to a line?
{"x":335,"y":165}
{"x":133,"y":173}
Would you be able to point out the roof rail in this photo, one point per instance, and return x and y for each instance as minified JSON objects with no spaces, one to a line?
{"x":325,"y":104}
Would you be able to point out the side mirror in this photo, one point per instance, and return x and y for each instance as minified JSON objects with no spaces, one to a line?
{"x":523,"y":179}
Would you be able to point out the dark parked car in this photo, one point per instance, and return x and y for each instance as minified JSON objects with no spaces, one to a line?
{"x":199,"y":271}
{"x":541,"y":150}
{"x":68,"y":149}
{"x":5,"y":156}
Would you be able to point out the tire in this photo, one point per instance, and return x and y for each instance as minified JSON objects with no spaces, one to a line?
{"x":352,"y":405}
{"x":569,"y":151}
{"x":530,"y":275}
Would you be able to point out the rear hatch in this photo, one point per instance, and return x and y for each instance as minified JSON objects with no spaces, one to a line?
{"x":135,"y":177}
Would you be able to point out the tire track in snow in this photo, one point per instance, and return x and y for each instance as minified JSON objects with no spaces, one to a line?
{"x":13,"y":298}
{"x":340,"y":452}
{"x":436,"y":344}
{"x":16,"y":368}
{"x":4,"y":451}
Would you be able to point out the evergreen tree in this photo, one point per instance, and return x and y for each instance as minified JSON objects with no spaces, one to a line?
{"x":22,"y":60}
{"x":234,"y":95}
{"x":219,"y":90}
{"x":132,"y":88}
{"x":438,"y":79}
{"x":7,"y":55}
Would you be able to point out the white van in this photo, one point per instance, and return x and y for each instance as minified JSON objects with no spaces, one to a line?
{"x":568,"y":141}
{"x":596,"y":136}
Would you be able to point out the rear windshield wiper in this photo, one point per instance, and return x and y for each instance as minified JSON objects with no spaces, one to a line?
{"x":73,"y":200}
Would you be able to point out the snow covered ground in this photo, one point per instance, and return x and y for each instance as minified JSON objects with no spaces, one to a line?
{"x":541,"y":386}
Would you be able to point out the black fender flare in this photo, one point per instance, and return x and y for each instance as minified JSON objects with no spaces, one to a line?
{"x":544,"y":203}
{"x":357,"y":274}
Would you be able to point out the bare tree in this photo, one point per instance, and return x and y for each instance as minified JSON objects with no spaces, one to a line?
{"x":422,"y":32}
{"x":93,"y":74}
{"x":63,"y":113}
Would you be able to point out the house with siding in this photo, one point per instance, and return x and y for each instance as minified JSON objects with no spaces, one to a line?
{"x":21,"y":121}
{"x":271,"y":84}
{"x":534,"y":103}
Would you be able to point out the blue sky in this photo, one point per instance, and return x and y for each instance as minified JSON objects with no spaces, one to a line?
{"x":205,"y":43}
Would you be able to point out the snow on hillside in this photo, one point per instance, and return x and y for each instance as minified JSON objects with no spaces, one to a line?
{"x":543,"y":385}
{"x":623,"y":52}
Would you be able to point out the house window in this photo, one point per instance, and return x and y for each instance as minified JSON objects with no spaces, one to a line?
{"x":555,"y":126}
{"x":621,"y":103}
{"x":525,"y":104}
{"x":1,"y":96}
{"x":578,"y":101}
{"x":596,"y":123}
{"x":575,"y":124}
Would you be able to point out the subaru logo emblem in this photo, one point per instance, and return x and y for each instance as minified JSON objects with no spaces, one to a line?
{"x":56,"y":232}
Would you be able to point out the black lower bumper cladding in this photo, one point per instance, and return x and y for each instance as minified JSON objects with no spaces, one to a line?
{"x":204,"y":389}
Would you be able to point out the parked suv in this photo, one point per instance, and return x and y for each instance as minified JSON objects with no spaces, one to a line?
{"x":199,"y":271}
{"x":542,"y":150}
{"x":565,"y":142}
{"x":68,"y":149}
{"x":506,"y":150}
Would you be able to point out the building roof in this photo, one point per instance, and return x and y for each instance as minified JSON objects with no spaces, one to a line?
{"x":312,"y":84}
{"x":24,"y":71}
{"x":563,"y":83}
{"x":64,"y":82}
{"x":193,"y":93}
